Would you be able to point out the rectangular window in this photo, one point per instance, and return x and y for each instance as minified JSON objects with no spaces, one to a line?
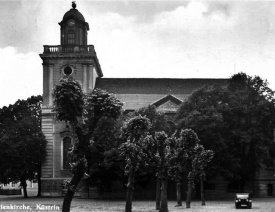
{"x":71,"y":37}
{"x":81,"y":37}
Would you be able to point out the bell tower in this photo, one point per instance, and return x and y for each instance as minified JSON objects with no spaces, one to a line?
{"x":73,"y":28}
{"x":74,"y":58}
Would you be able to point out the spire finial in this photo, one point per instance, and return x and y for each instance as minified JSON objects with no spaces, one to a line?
{"x":73,"y":4}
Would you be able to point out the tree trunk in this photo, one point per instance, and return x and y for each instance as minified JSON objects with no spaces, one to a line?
{"x":189,"y":193}
{"x":39,"y":181}
{"x":130,"y":191}
{"x":178,"y":187}
{"x":158,"y":194}
{"x":163,"y":203}
{"x":202,"y":189}
{"x":80,"y":164}
{"x":24,"y":185}
{"x":71,"y":191}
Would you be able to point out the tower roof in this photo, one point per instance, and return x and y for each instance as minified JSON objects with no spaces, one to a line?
{"x":74,"y":14}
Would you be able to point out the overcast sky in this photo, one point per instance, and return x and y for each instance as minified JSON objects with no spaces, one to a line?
{"x":147,"y":39}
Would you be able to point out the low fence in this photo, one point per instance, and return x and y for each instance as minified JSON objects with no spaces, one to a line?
{"x":15,"y":191}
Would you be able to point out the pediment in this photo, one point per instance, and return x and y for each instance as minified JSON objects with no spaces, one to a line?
{"x":168,"y":103}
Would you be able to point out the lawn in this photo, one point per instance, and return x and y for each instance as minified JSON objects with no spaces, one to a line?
{"x":83,"y":205}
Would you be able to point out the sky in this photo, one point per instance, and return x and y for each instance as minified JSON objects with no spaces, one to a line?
{"x":141,"y":39}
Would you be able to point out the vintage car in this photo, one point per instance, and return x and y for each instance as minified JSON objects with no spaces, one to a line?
{"x":243,"y":199}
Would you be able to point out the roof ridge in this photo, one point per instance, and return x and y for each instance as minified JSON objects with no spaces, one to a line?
{"x":166,"y":78}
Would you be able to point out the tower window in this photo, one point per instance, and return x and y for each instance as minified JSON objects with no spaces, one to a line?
{"x":68,"y":71}
{"x":71,"y":37}
{"x":66,"y":147}
{"x":81,"y":37}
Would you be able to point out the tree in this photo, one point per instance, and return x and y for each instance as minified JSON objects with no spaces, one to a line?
{"x":250,"y":119}
{"x":177,"y":164}
{"x":134,"y":131}
{"x":82,"y":113}
{"x":23,"y":143}
{"x":199,"y":164}
{"x":158,"y":123}
{"x":189,"y":140}
{"x":235,"y":120}
{"x":202,"y":113}
{"x":105,"y":163}
{"x":159,"y":150}
{"x":163,"y":154}
{"x":157,"y":120}
{"x":188,"y":160}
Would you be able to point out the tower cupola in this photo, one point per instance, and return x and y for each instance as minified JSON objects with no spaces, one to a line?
{"x":73,"y":28}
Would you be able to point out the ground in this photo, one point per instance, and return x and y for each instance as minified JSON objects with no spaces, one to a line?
{"x":83,"y":205}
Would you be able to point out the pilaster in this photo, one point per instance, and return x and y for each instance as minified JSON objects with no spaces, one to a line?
{"x":91,"y":77}
{"x":50,"y":85}
{"x":85,"y":79}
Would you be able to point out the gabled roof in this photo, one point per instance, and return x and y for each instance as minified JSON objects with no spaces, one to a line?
{"x":154,"y":85}
{"x":136,"y":93}
{"x":136,"y":101}
{"x":167,"y":98}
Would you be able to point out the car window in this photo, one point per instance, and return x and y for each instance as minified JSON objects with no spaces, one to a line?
{"x":242,"y":195}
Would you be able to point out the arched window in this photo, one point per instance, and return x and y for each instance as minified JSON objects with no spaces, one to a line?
{"x":66,"y":147}
{"x":71,"y":37}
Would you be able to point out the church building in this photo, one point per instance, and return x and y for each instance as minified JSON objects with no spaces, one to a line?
{"x":76,"y":58}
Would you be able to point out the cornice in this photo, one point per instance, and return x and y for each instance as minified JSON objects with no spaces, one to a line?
{"x":67,"y":56}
